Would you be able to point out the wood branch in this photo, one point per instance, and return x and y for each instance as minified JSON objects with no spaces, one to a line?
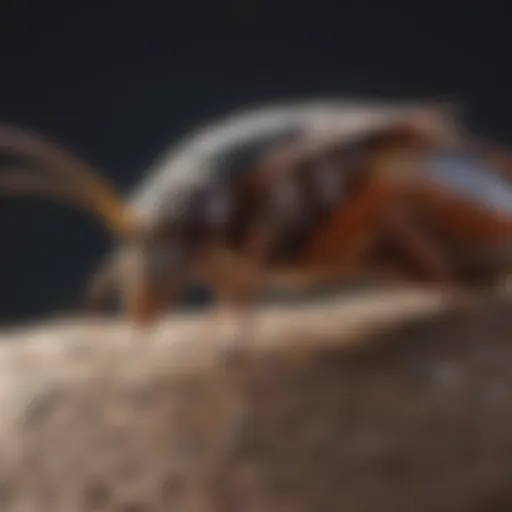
{"x":376,"y":402}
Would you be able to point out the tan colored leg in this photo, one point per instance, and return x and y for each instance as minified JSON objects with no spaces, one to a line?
{"x":435,"y":266}
{"x":350,"y":233}
{"x":238,"y":283}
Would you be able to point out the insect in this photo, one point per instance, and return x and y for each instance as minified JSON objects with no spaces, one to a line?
{"x":292,"y":196}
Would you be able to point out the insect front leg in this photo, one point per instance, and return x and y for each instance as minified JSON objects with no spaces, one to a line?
{"x":102,"y":286}
{"x":153,"y":277}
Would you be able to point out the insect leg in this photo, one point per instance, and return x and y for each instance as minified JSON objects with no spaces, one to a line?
{"x":238,"y":284}
{"x":153,"y":276}
{"x":350,"y":233}
{"x":102,"y":285}
{"x":434,"y":265}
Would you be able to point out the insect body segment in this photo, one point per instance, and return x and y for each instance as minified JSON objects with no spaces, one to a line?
{"x":289,"y":196}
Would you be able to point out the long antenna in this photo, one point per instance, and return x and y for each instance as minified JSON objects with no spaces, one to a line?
{"x":79,"y":179}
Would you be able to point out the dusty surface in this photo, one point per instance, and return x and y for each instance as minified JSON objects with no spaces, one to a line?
{"x":308,"y":418}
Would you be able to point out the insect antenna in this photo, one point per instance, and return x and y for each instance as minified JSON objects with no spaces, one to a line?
{"x":77,"y":182}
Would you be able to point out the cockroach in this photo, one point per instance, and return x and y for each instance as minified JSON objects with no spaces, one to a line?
{"x":291,"y":196}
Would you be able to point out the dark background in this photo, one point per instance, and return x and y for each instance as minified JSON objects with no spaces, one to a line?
{"x":117,"y":84}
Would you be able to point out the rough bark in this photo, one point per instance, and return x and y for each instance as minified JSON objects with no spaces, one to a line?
{"x":382,"y":403}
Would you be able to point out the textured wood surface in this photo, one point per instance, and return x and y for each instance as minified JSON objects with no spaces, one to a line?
{"x":377,"y":402}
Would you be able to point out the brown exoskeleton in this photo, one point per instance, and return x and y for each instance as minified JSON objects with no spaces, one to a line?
{"x":293,"y":196}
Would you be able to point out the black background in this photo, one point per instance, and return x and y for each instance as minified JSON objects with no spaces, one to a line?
{"x":118,"y":83}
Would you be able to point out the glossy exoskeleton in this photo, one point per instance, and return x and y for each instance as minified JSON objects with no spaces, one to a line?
{"x":292,"y":196}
